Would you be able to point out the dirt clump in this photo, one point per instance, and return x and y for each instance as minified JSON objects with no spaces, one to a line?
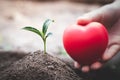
{"x":39,"y":66}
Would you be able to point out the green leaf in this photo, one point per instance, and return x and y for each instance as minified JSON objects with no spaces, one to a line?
{"x":33,"y":30}
{"x":45,"y":25}
{"x":48,"y":34}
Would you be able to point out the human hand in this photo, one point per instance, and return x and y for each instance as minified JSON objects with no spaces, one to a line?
{"x":108,"y":15}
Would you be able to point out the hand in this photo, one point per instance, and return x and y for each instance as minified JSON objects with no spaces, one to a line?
{"x":108,"y":15}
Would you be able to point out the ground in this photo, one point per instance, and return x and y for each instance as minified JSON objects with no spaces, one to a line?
{"x":35,"y":66}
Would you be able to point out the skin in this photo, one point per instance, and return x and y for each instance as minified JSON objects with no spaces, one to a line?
{"x":108,"y":15}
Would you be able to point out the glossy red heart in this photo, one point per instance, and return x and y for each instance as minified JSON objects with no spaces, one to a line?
{"x":85,"y":43}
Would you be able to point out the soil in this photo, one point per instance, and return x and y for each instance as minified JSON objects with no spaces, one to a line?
{"x":35,"y":66}
{"x":15,"y":65}
{"x":8,"y":58}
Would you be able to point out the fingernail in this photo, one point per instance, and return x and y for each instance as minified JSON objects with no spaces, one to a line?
{"x":85,"y":69}
{"x":76,"y":65}
{"x":82,"y":21}
{"x":96,"y":65}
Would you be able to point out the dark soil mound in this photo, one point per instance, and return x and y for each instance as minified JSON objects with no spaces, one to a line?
{"x":39,"y":66}
{"x":7,"y":58}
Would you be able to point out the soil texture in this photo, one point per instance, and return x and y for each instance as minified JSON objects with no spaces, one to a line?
{"x":38,"y":66}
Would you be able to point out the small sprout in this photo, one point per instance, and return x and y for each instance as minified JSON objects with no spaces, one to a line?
{"x":42,"y":33}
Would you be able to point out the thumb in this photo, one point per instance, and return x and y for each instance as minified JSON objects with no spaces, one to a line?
{"x":111,"y":51}
{"x":83,"y":20}
{"x":89,"y":17}
{"x":93,"y":16}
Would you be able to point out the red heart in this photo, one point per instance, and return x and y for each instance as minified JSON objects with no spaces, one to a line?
{"x":85,"y":43}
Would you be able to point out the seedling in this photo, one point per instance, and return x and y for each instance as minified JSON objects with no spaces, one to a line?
{"x":42,"y":33}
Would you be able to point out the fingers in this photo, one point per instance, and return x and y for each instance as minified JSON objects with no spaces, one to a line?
{"x":76,"y":65}
{"x":83,"y":20}
{"x":85,"y":69}
{"x":90,"y":17}
{"x":111,"y":51}
{"x":103,"y":15}
{"x":96,"y":65}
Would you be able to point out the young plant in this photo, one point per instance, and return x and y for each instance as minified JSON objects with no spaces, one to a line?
{"x":42,"y":33}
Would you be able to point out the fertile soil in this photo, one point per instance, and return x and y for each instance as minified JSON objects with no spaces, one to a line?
{"x":36,"y":66}
{"x":8,"y":58}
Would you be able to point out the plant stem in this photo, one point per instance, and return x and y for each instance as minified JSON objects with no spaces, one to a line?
{"x":44,"y":46}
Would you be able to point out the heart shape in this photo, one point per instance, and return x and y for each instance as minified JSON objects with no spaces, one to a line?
{"x":85,"y":43}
